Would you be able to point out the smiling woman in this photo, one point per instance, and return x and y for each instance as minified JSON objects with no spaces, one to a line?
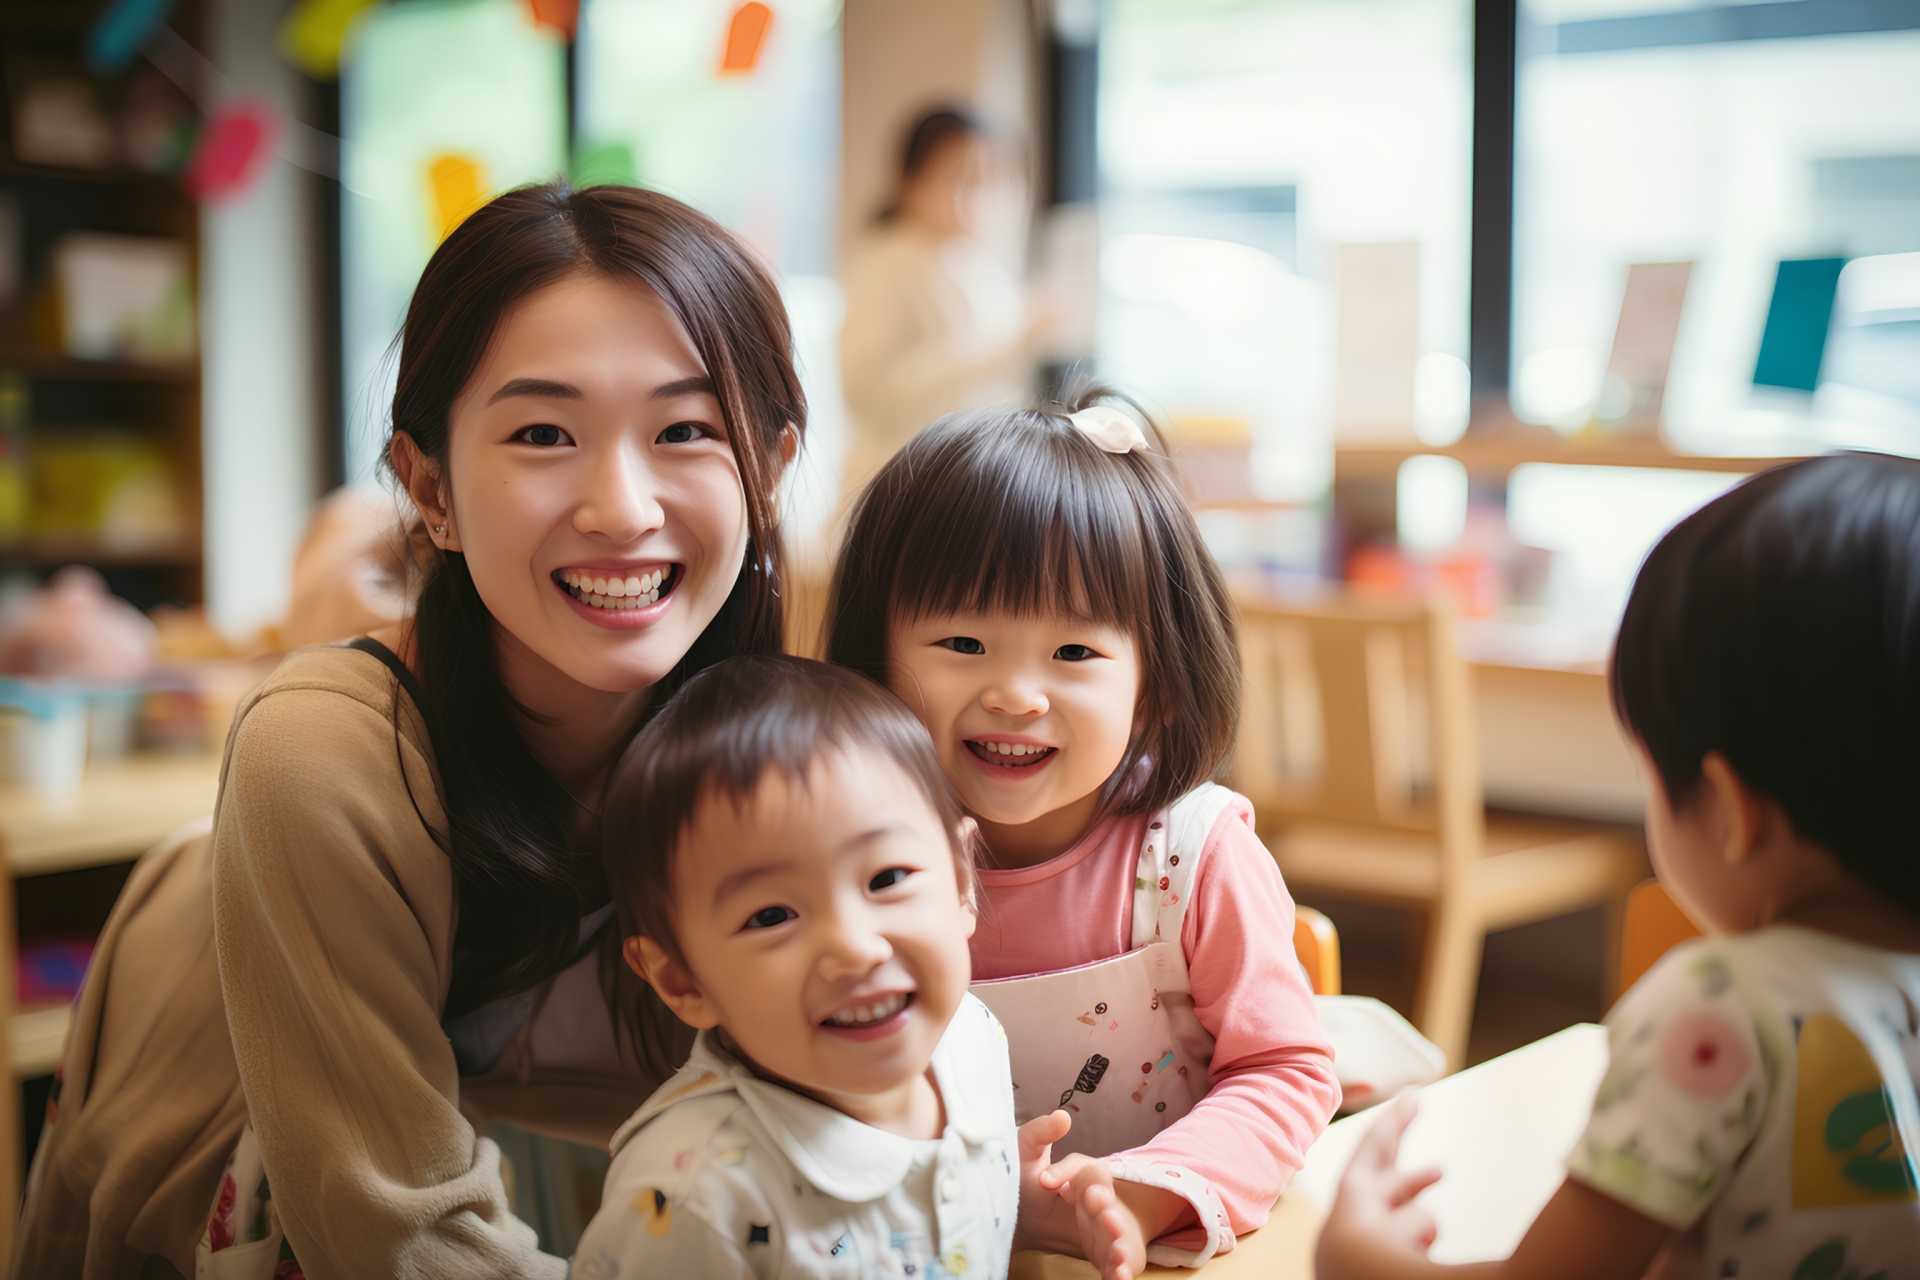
{"x":395,"y":932}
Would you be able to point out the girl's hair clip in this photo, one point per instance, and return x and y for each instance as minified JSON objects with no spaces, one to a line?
{"x":1110,"y":429}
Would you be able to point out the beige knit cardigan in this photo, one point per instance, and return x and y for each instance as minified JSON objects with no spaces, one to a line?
{"x":288,"y":967}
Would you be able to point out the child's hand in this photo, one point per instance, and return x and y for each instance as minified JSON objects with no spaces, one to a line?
{"x":1375,"y":1224}
{"x":1108,"y":1234}
{"x":1046,"y":1221}
{"x":1071,"y":1207}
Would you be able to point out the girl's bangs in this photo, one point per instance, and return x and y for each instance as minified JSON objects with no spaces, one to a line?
{"x":1026,"y":531}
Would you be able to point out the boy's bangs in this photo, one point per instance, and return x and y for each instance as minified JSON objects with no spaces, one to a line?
{"x":1028,"y":540}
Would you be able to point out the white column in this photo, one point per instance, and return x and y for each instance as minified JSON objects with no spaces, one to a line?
{"x":258,"y":350}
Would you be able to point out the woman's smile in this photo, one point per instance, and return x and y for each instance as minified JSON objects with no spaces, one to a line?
{"x":619,"y":597}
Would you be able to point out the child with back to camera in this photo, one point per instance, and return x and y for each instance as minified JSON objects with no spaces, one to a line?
{"x":1758,"y":1118}
{"x":792,"y":877}
{"x":1033,"y":585}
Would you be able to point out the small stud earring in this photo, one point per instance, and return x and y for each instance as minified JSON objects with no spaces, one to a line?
{"x":439,"y":528}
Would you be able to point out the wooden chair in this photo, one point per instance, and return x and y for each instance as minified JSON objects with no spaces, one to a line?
{"x":1357,"y":747}
{"x":1654,"y":925}
{"x":806,"y":601}
{"x":1317,"y":944}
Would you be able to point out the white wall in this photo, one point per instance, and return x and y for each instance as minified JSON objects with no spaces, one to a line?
{"x":257,"y":313}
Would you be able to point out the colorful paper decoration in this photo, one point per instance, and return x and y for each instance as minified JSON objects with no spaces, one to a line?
{"x":459,"y":187}
{"x":746,"y":36}
{"x":238,"y":138}
{"x":560,"y":15}
{"x":311,"y":35}
{"x":603,"y":163}
{"x":117,"y":35}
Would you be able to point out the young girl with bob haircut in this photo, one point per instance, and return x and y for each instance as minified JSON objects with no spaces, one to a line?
{"x":1759,"y":1117}
{"x":1032,"y":584}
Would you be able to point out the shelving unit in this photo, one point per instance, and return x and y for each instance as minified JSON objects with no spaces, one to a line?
{"x":121,"y":809}
{"x":159,"y":402}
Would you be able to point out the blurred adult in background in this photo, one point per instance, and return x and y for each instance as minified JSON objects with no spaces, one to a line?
{"x":936,"y":320}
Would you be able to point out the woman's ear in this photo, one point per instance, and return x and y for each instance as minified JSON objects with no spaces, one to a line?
{"x":789,"y":445}
{"x":420,"y":477}
{"x":671,"y":980}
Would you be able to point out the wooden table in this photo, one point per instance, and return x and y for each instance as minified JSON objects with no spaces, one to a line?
{"x":1501,"y":1131}
{"x":1549,"y":742}
{"x":121,"y":809}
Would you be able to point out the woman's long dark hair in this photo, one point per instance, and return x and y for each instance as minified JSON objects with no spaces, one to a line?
{"x":520,"y":890}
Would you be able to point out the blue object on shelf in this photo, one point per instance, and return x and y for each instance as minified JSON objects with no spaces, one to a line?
{"x":1795,"y":339}
{"x":119,"y":33}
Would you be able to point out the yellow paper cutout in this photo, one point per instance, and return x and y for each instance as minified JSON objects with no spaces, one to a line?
{"x":310,"y":35}
{"x":656,"y":1215}
{"x":1846,"y":1148}
{"x":459,"y":187}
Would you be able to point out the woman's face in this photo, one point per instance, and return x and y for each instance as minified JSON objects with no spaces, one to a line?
{"x":947,"y":191}
{"x":591,"y":485}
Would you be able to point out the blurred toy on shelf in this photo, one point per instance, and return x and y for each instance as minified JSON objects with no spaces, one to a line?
{"x":52,"y":969}
{"x":157,"y":125}
{"x":104,"y":483}
{"x":74,"y":629}
{"x":124,"y":298}
{"x":15,"y":494}
{"x":57,"y":119}
{"x":43,"y":735}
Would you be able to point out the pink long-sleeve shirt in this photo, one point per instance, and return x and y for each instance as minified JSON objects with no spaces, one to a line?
{"x":1272,"y":1084}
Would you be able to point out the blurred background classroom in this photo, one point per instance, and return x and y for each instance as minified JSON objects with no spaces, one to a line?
{"x":1449,"y":309}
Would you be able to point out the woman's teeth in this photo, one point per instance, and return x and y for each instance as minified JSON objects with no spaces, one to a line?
{"x":880,"y":1010}
{"x":603,"y":592}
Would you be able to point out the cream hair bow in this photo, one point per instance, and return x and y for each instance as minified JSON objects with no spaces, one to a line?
{"x":1110,"y":429}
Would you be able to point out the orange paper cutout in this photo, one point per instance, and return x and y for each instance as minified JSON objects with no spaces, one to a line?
{"x":746,"y":36}
{"x":561,"y":15}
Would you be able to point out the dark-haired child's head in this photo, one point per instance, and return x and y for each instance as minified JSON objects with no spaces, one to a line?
{"x":1005,"y":529}
{"x":788,"y":864}
{"x":1773,"y":638}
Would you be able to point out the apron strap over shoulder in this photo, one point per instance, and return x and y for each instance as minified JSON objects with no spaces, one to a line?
{"x":1169,"y":860}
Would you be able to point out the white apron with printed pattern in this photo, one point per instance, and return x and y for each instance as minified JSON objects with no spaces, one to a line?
{"x":1116,"y":1043}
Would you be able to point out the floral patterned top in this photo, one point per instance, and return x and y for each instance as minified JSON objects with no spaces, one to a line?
{"x":1761,"y":1094}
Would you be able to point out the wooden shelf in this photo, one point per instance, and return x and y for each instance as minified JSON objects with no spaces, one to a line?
{"x":1496,"y":449}
{"x":37,"y":364}
{"x":11,"y":168}
{"x":35,"y":1038}
{"x":122,"y":809}
{"x":56,"y":549}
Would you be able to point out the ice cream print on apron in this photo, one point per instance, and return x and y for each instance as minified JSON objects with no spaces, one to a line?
{"x":1116,"y":1044}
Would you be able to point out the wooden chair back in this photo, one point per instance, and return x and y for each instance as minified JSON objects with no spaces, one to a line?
{"x":1653,"y":925}
{"x":1317,"y":944}
{"x":1359,"y":711}
{"x":806,"y":614}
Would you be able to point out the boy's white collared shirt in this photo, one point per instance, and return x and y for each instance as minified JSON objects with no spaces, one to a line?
{"x":722,"y":1173}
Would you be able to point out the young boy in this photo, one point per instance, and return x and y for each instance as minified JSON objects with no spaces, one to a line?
{"x":792,"y":878}
{"x":1759,"y":1116}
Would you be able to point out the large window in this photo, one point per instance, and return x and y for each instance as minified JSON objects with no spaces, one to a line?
{"x":730,"y":105}
{"x":1733,"y":137}
{"x":1242,"y":146}
{"x":442,"y":105}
